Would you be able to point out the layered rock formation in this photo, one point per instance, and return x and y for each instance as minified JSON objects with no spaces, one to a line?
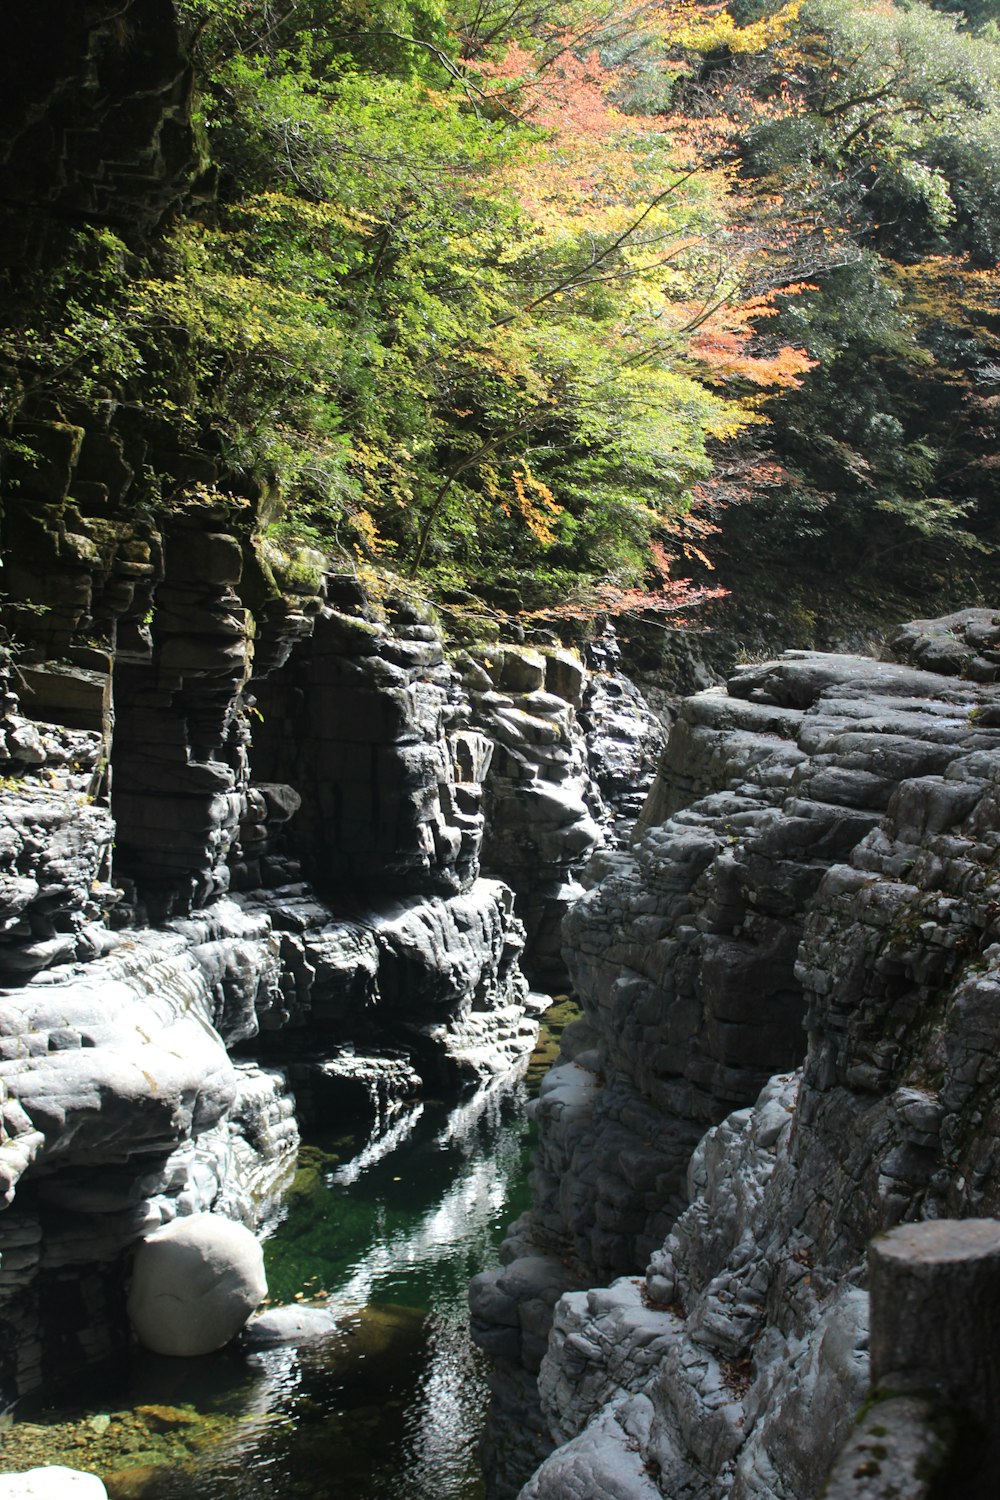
{"x":574,"y":751}
{"x":820,"y":850}
{"x":133,"y":972}
{"x":245,"y":812}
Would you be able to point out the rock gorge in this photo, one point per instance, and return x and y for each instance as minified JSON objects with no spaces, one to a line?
{"x":251,"y":871}
{"x":279,"y":846}
{"x":287,"y":902}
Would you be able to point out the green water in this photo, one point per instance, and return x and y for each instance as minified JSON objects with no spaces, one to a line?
{"x":397,"y":1233}
{"x":411,"y":1218}
{"x":389,"y":1407}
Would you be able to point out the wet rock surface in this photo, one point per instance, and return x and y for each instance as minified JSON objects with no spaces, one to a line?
{"x":52,"y":1482}
{"x":817,"y":879}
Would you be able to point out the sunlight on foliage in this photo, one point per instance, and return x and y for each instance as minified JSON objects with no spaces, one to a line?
{"x":494,"y":286}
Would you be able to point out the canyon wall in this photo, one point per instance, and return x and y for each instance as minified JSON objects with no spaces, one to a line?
{"x":244,"y":832}
{"x":800,"y":953}
{"x":264,"y":857}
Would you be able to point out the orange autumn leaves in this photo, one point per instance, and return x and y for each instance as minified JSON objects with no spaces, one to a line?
{"x":605,"y":165}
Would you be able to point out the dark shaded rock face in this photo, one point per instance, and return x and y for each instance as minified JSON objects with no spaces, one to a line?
{"x":820,"y":851}
{"x":371,"y":725}
{"x":94,"y":121}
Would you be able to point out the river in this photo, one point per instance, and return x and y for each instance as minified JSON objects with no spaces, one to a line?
{"x":387,"y":1232}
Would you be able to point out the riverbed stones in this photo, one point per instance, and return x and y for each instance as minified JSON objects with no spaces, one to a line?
{"x":292,"y":1324}
{"x":195,"y":1283}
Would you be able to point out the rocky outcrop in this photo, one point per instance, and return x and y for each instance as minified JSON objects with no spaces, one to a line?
{"x":172,"y":977}
{"x":625,"y":740}
{"x":574,"y":751}
{"x":95,"y":121}
{"x":542,"y":807}
{"x":820,"y":850}
{"x":246,"y":807}
{"x":369,"y":723}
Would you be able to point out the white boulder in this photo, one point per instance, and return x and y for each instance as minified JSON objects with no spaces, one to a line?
{"x":52,"y":1483}
{"x":195,"y":1283}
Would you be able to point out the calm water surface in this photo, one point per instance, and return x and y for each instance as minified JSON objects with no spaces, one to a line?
{"x":389,"y":1407}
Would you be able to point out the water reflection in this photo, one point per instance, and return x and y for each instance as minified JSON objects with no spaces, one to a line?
{"x":391,"y":1407}
{"x":388,"y":1406}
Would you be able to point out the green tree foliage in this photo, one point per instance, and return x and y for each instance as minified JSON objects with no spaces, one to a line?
{"x":447,"y":297}
{"x":482,"y":290}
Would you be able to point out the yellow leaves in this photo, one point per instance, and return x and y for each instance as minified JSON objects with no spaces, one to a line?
{"x":945,"y":287}
{"x":367,"y":533}
{"x":558,"y":188}
{"x":695,"y":27}
{"x":533,"y":500}
{"x":490,"y":480}
{"x":366,"y":459}
{"x":486,"y":358}
{"x":280,"y":208}
{"x":730,"y":420}
{"x":692,"y":552}
{"x":384,"y":478}
{"x":537,"y":505}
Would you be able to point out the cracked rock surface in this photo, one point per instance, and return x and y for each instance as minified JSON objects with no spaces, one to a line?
{"x":336,"y":931}
{"x":817,"y":883}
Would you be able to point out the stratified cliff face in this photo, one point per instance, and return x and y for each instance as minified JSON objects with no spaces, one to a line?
{"x":821,"y":848}
{"x":574,"y":753}
{"x":241,"y":806}
{"x":244,"y":822}
{"x":131,"y":972}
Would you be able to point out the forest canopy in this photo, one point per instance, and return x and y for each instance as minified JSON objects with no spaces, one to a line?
{"x":571,"y":301}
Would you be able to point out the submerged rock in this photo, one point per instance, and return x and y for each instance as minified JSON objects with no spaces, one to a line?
{"x":290,"y":1324}
{"x":195,"y":1283}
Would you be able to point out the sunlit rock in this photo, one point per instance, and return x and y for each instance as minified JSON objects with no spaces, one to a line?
{"x":195,"y":1283}
{"x":816,"y":879}
{"x":52,"y":1482}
